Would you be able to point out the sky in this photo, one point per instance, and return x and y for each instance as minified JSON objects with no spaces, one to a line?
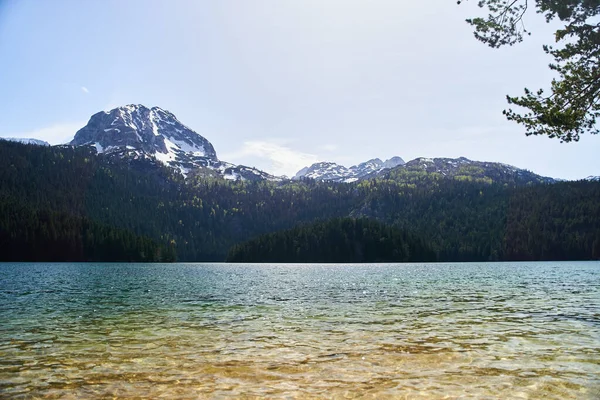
{"x":282,"y":84}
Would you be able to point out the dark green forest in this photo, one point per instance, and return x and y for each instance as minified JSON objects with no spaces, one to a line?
{"x":340,"y":240}
{"x":65,"y":203}
{"x":28,"y":234}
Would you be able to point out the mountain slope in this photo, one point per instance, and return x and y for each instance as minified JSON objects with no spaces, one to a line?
{"x":463,"y":169}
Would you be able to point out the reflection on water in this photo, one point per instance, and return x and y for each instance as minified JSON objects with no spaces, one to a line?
{"x":521,"y":330}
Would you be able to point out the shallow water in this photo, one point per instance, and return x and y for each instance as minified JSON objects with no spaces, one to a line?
{"x":504,"y":330}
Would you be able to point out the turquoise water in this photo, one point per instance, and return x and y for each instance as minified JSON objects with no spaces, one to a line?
{"x":488,"y":330}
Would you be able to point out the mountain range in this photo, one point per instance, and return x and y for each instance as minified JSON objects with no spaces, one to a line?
{"x":454,"y":168}
{"x":137,"y":132}
{"x":158,"y":194}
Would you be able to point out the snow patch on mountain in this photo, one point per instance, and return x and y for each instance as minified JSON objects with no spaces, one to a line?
{"x":330,"y":171}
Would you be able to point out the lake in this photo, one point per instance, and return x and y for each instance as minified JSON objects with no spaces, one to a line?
{"x":476,"y":330}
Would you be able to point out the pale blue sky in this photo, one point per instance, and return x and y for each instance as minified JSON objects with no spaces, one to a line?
{"x":281,"y":84}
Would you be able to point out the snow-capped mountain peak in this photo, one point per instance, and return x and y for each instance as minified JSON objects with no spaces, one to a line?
{"x":323,"y":171}
{"x":329,"y":171}
{"x":153,"y":131}
{"x":136,"y":131}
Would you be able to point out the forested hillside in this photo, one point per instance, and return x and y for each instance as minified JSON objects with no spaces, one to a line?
{"x":340,"y":240}
{"x":27,"y":234}
{"x":202,"y":217}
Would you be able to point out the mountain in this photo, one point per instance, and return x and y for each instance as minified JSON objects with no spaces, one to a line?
{"x":329,"y":171}
{"x":137,"y":132}
{"x":463,"y":169}
{"x":395,"y":168}
{"x":593,"y":178}
{"x":393,"y":162}
{"x":37,"y":142}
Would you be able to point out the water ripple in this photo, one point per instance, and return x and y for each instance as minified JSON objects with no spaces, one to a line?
{"x":521,"y":330}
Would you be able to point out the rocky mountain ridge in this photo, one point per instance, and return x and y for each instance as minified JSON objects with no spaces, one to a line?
{"x":330,"y":171}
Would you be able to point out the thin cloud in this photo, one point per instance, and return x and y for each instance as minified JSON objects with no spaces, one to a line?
{"x":328,"y":147}
{"x":54,"y":134}
{"x":85,"y":90}
{"x":272,"y":157}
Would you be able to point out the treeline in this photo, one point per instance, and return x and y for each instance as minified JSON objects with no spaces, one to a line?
{"x":341,"y":240}
{"x":202,"y":218}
